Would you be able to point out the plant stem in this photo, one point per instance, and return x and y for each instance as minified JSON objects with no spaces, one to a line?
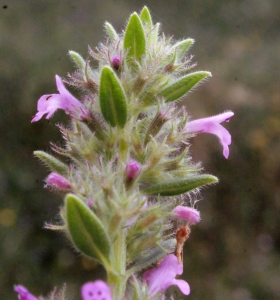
{"x":117,"y":279}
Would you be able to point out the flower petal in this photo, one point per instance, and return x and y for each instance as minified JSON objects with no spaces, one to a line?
{"x":23,"y":293}
{"x":160,"y":278}
{"x":48,"y":104}
{"x":71,"y":102}
{"x":96,"y":290}
{"x":212,"y":125}
{"x":182,"y":285}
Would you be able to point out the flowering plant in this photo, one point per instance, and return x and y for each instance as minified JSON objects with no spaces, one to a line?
{"x":125,"y":169}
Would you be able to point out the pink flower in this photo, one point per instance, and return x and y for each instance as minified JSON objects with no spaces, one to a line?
{"x":133,"y":169}
{"x":57,"y":181}
{"x":162,"y":277}
{"x":189,"y":214}
{"x":23,"y":293}
{"x":96,"y":290}
{"x":212,"y":125}
{"x":48,"y":104}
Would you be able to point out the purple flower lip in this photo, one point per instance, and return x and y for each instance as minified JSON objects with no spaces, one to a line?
{"x":162,"y":277}
{"x":96,"y":290}
{"x":48,"y":104}
{"x":212,"y":125}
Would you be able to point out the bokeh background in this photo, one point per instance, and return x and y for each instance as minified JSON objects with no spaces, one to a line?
{"x":234,"y":253}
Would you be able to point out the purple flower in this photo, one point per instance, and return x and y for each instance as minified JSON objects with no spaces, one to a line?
{"x":48,"y":104}
{"x":189,"y":214}
{"x":212,"y":125}
{"x":133,"y":169}
{"x":96,"y":290}
{"x":116,"y":61}
{"x":57,"y":181}
{"x":23,"y":293}
{"x":162,"y":277}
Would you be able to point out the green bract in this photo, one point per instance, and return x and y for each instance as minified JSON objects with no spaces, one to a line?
{"x":181,"y":48}
{"x":86,"y":230}
{"x":180,"y":186}
{"x":112,"y":98}
{"x":53,"y":163}
{"x":112,"y":34}
{"x":180,"y":87}
{"x":146,"y":18}
{"x":77,"y":58}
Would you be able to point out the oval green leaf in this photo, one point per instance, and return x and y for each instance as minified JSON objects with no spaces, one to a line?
{"x":180,"y":87}
{"x":134,"y":39}
{"x":180,"y":186}
{"x":86,"y":230}
{"x":112,"y":98}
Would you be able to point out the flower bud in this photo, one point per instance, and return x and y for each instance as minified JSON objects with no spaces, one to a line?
{"x":89,"y":203}
{"x":57,"y":181}
{"x":133,"y":169}
{"x":116,"y":62}
{"x":189,"y":214}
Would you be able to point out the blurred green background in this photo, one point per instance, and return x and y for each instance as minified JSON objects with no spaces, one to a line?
{"x":234,"y":252}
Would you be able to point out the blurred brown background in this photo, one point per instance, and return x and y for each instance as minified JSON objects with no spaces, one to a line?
{"x":234,"y":253}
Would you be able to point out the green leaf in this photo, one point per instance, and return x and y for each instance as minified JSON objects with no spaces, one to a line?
{"x":77,"y":58}
{"x":180,"y":186}
{"x":134,"y":39}
{"x":154,"y":255}
{"x":182,"y":47}
{"x":153,"y":36}
{"x":111,"y":32}
{"x":183,"y":85}
{"x":86,"y":230}
{"x":53,"y":163}
{"x":146,"y":18}
{"x":112,"y":97}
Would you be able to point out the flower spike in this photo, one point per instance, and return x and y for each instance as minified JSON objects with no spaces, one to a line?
{"x":48,"y":104}
{"x":212,"y":125}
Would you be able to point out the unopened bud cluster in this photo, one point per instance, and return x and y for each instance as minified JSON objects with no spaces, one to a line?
{"x":126,"y":167}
